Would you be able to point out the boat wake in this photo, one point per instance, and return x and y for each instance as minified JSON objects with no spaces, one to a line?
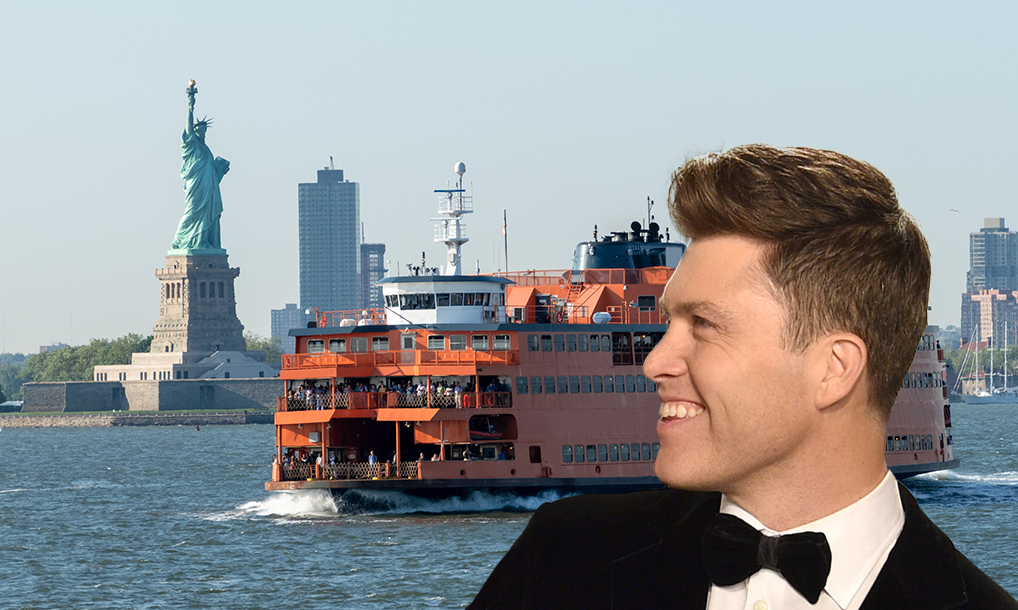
{"x":1000,"y":478}
{"x":320,"y":504}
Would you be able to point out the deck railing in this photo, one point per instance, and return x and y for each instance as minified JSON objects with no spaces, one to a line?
{"x":351,"y":470}
{"x":393,"y":400}
{"x":404,"y":358}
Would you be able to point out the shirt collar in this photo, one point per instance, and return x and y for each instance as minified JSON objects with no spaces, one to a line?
{"x":859,"y":535}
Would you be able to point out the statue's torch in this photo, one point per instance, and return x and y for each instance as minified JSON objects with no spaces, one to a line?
{"x":191,"y":89}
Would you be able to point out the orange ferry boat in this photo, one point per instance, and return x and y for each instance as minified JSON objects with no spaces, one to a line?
{"x":524,"y":382}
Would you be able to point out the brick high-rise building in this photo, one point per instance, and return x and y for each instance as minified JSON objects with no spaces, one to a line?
{"x":990,"y":281}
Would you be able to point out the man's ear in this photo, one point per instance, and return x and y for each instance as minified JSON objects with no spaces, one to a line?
{"x":842,"y":367}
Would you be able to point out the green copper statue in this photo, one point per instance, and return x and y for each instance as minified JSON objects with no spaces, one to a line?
{"x":199,"y":227}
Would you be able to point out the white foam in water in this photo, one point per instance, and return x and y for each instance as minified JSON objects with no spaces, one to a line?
{"x":1001,"y":478}
{"x":303,"y":503}
{"x":395,"y":503}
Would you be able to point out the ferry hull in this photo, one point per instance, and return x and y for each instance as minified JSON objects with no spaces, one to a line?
{"x":905,"y":471}
{"x":447,"y":488}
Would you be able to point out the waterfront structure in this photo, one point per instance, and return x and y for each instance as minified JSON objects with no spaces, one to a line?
{"x":372,"y":270}
{"x":198,"y":336}
{"x":283,"y":320}
{"x":993,"y":266}
{"x":52,"y":347}
{"x":329,"y":242}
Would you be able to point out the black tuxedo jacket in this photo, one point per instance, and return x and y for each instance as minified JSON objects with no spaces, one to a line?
{"x":641,"y":551}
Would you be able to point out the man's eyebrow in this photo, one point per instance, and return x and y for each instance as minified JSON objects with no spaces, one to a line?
{"x":703,"y":309}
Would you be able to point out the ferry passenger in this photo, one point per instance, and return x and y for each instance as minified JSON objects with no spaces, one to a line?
{"x":794,"y":316}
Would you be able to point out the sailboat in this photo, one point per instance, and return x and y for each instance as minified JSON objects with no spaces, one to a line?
{"x":1004,"y":395}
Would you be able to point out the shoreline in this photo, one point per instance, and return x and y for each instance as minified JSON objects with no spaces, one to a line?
{"x":110,"y":420}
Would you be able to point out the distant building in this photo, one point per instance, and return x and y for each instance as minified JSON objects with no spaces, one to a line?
{"x":991,"y":316}
{"x":283,"y":320}
{"x":950,"y":338}
{"x":52,"y":348}
{"x":372,"y":270}
{"x":329,"y":237}
{"x":993,"y":267}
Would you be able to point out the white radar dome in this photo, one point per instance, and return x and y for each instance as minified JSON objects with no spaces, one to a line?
{"x":461,"y":168}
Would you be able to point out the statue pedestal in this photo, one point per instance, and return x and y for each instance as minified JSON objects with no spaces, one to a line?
{"x":198,"y":307}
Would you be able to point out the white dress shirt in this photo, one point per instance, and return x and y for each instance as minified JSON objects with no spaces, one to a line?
{"x":861,"y":537}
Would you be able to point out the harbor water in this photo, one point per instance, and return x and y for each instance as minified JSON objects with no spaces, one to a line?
{"x":171,"y":517}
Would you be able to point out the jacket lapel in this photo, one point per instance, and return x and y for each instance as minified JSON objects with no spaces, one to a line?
{"x":669,"y":572}
{"x":922,"y":570}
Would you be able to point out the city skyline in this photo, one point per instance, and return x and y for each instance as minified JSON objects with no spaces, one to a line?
{"x":567,"y":115}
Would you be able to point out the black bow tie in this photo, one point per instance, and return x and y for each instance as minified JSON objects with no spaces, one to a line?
{"x":733,"y":551}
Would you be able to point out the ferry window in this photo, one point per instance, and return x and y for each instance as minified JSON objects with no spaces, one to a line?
{"x":890,"y":444}
{"x":563,"y":384}
{"x":574,"y":384}
{"x":567,"y":454}
{"x":641,"y":383}
{"x":570,"y":343}
{"x":620,"y":384}
{"x":521,"y":385}
{"x":654,"y":449}
{"x":408,"y":341}
{"x":613,"y":452}
{"x":545,"y":343}
{"x":609,"y":383}
{"x":533,"y":343}
{"x":595,"y":343}
{"x":436,"y":341}
{"x":535,"y":384}
{"x":646,"y":451}
{"x":379,"y":344}
{"x":624,"y":452}
{"x":602,"y":453}
{"x":358,"y":344}
{"x":636,"y":451}
{"x":549,"y":385}
{"x":598,"y":388}
{"x":479,"y":342}
{"x":643,"y":343}
{"x":581,"y":342}
{"x":535,"y":454}
{"x":391,"y":300}
{"x":482,"y":298}
{"x":622,"y":349}
{"x":456,"y":299}
{"x":442,"y":298}
{"x":316,"y":346}
{"x":337,"y":345}
{"x":591,"y":453}
{"x":503,"y":344}
{"x":578,"y":453}
{"x":606,"y":343}
{"x":897,"y":443}
{"x":585,"y":384}
{"x":651,"y":386}
{"x":646,"y":302}
{"x":468,"y":299}
{"x":560,"y":343}
{"x":457,"y":342}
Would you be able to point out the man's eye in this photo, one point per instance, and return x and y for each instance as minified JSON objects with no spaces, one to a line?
{"x":699,"y":322}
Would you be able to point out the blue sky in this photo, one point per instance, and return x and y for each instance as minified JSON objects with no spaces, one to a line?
{"x":567,"y":114}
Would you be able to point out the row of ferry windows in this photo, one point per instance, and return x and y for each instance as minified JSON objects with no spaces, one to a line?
{"x":912,"y":442}
{"x":613,"y":452}
{"x":927,"y":343}
{"x":428,"y":300}
{"x":921,"y":380}
{"x":585,"y":384}
{"x":435,"y":342}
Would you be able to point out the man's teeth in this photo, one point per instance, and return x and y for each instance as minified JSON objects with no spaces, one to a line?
{"x":679,"y":410}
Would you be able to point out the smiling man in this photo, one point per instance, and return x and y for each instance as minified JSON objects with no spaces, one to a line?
{"x":794,"y":316}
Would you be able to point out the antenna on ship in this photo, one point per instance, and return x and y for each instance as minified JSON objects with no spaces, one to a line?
{"x":453,"y":204}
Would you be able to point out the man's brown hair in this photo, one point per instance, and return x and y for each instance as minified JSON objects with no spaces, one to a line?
{"x":842,"y":254}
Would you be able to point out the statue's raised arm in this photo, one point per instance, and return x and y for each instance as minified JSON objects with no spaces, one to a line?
{"x":201,"y":172}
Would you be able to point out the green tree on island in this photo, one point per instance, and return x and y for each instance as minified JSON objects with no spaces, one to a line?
{"x":78,"y":363}
{"x":272,"y":346}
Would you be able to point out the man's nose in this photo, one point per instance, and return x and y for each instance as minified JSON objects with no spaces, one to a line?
{"x":668,"y":358}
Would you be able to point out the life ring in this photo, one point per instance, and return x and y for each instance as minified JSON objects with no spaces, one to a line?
{"x":560,"y":317}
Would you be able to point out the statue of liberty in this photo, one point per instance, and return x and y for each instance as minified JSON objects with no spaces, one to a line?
{"x":201,"y":172}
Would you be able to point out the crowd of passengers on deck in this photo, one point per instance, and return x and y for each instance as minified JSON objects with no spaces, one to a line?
{"x":441,"y":394}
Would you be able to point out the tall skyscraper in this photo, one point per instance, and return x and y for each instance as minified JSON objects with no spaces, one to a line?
{"x":329,"y":233}
{"x":283,"y":320}
{"x":991,"y":281}
{"x":372,"y":270}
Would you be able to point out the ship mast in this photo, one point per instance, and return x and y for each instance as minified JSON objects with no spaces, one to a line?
{"x":450,"y":230}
